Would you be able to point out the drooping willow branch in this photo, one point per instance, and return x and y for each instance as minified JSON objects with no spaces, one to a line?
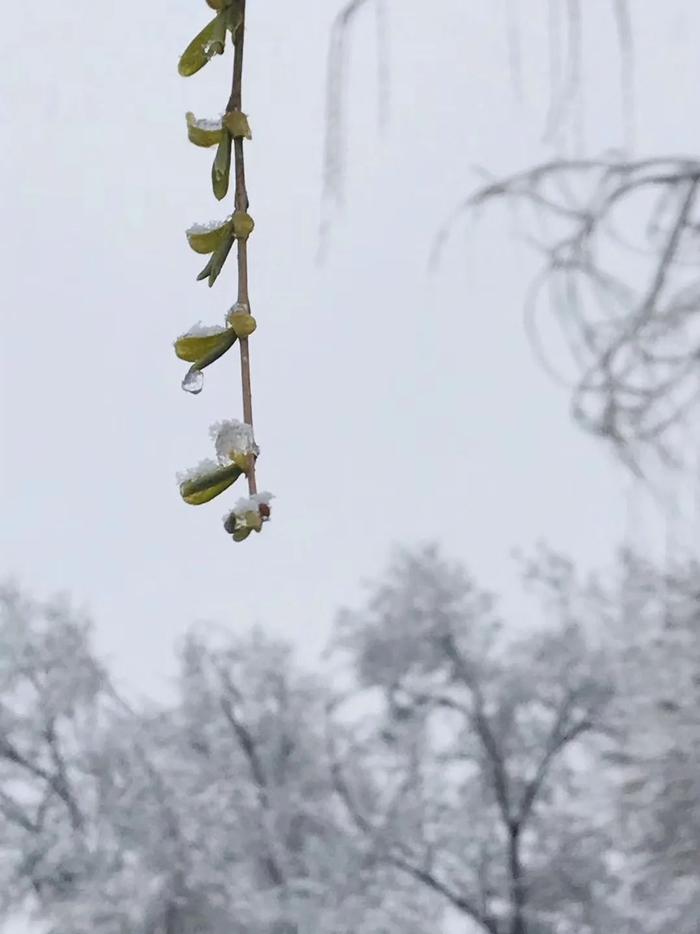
{"x":335,"y":142}
{"x":620,"y":246}
{"x":242,"y":205}
{"x":235,"y":444}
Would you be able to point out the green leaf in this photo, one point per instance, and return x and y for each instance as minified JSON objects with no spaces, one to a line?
{"x":208,"y":240}
{"x":240,"y":535}
{"x":202,"y":135}
{"x":237,"y":124}
{"x":216,"y":263}
{"x":204,"y":274}
{"x":195,"y":349}
{"x":209,"y":42}
{"x":221,"y":168}
{"x":205,"y":488}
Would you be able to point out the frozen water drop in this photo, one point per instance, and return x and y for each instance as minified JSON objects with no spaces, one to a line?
{"x":193,"y":381}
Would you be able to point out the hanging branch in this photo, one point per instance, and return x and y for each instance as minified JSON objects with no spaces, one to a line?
{"x":236,"y":449}
{"x":618,"y":240}
{"x":335,"y":142}
{"x":241,"y":203}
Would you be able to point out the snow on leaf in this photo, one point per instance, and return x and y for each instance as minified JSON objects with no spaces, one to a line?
{"x":232,"y":437}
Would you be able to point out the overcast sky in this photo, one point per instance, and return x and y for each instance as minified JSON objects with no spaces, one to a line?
{"x":392,"y":405}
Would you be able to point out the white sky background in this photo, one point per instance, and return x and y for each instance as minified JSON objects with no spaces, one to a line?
{"x":392,"y":406}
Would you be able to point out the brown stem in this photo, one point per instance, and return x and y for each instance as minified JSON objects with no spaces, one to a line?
{"x":241,"y":204}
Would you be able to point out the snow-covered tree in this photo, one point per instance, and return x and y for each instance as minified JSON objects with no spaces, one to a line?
{"x":648,"y":792}
{"x":54,"y":696}
{"x":216,"y":813}
{"x":529,"y":779}
{"x":655,"y":621}
{"x":254,"y":727}
{"x":471,"y":769}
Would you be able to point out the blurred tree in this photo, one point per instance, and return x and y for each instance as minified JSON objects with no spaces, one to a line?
{"x":472,"y":770}
{"x":530,"y":780}
{"x":656,"y":624}
{"x":251,"y":716}
{"x":53,"y":697}
{"x":215,"y":814}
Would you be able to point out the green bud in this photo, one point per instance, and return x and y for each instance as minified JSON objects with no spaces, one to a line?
{"x":253,"y":521}
{"x":243,"y":225}
{"x":237,"y":124}
{"x":243,"y":325}
{"x":244,"y":461}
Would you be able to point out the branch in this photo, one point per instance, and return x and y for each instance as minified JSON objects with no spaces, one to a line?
{"x":247,"y":744}
{"x":241,"y":204}
{"x":636,"y":353}
{"x":334,"y":142}
{"x":76,"y":815}
{"x":557,"y":741}
{"x":57,"y":783}
{"x":466,"y":906}
{"x":482,"y":726}
{"x":13,"y":812}
{"x":429,"y":879}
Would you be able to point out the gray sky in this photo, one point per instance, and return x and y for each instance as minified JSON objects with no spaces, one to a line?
{"x":392,"y":405}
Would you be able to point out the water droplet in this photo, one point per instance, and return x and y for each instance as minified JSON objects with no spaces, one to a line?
{"x":193,"y":381}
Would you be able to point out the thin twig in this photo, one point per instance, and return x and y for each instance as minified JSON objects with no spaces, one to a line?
{"x":241,"y":204}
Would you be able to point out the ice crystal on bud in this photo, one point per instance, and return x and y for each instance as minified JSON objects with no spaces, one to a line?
{"x":203,"y":330}
{"x":196,"y":229}
{"x":248,"y":515}
{"x":253,"y":503}
{"x":202,"y":469}
{"x":232,"y":437}
{"x":210,"y":126}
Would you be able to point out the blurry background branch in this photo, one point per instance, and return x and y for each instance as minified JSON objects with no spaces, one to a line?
{"x":636,"y":348}
{"x":618,"y":237}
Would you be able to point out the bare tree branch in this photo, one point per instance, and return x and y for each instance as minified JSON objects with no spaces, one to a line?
{"x":466,"y":905}
{"x":57,"y":782}
{"x":248,"y":745}
{"x":499,"y":770}
{"x":636,"y":352}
